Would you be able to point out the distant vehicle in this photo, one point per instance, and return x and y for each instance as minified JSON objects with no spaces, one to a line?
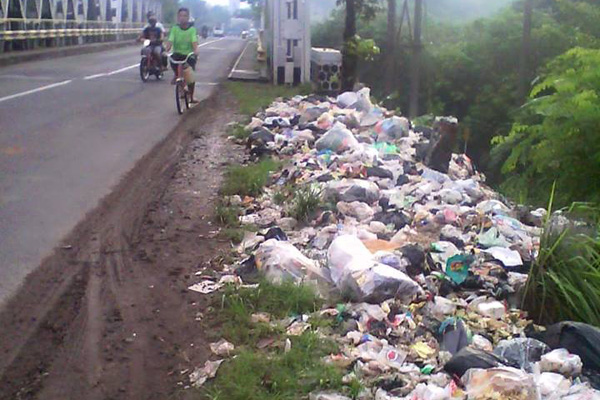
{"x":252,"y":33}
{"x":244,"y":34}
{"x":218,"y":32}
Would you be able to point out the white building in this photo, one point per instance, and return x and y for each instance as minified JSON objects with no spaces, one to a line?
{"x":286,"y":25}
{"x":234,"y":5}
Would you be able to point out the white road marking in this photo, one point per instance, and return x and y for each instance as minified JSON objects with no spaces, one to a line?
{"x":239,"y":59}
{"x":118,"y":71}
{"x":40,"y":89}
{"x":87,"y":78}
{"x":211,"y":42}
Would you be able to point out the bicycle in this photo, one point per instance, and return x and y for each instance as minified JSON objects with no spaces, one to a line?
{"x":181,"y":89}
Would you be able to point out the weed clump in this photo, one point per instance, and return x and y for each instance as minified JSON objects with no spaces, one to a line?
{"x":306,"y":201}
{"x":248,"y":180}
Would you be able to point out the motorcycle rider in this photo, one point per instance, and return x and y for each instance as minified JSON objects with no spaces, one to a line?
{"x":155,"y":32}
{"x":183,"y":38}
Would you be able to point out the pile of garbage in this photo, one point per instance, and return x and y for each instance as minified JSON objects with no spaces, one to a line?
{"x":433,"y":262}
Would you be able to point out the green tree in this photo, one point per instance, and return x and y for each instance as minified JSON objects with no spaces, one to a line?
{"x":556,"y":136}
{"x":350,"y":58}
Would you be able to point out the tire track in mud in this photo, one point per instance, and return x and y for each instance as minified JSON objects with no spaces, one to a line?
{"x":110,"y":317}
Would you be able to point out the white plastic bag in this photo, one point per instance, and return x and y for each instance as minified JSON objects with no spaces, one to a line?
{"x":281,"y":261}
{"x":355,"y":272}
{"x":561,"y":361}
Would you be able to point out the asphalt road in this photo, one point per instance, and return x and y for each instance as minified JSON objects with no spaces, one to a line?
{"x":70,"y":129}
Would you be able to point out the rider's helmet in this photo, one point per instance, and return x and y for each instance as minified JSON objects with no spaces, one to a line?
{"x":151,"y":16}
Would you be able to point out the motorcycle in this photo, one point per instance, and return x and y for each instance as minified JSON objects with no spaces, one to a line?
{"x":149,"y":65}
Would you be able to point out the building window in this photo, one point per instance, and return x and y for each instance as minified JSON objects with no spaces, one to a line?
{"x":295,"y":42}
{"x":289,"y":47}
{"x":295,"y":9}
{"x":289,"y":10}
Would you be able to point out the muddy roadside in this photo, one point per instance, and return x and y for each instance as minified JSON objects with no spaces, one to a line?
{"x":109,"y":316}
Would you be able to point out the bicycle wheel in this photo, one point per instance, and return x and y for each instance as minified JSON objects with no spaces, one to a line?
{"x":144,"y":73}
{"x":186,"y":96}
{"x":178,"y":95}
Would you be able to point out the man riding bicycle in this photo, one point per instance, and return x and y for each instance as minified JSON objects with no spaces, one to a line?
{"x":183,"y":39}
{"x":155,"y":33}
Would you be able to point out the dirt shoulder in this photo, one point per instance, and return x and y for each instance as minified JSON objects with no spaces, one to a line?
{"x":109,"y":316}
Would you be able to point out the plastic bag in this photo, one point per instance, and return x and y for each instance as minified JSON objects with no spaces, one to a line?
{"x":363,"y":102}
{"x":337,"y":139}
{"x":327,"y":396}
{"x":281,"y":261}
{"x":577,"y":337}
{"x":523,"y":352}
{"x":392,"y":128}
{"x":508,"y":258}
{"x":561,"y":361}
{"x":552,"y":386}
{"x":350,"y":190}
{"x":468,"y":358}
{"x":347,"y":99}
{"x":361,"y":211}
{"x":354,"y":270}
{"x":382,"y":353}
{"x":455,"y":336}
{"x":500,"y":383}
{"x":457,"y":267}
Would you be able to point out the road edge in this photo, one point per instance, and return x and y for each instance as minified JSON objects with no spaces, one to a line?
{"x":62,"y":276}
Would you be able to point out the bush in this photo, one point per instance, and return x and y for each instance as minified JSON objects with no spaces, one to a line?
{"x":555,"y":139}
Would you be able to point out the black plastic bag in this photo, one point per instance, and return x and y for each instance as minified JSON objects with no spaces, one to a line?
{"x":469,"y":358}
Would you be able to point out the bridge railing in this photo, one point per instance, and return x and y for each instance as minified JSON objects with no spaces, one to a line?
{"x":18,"y":34}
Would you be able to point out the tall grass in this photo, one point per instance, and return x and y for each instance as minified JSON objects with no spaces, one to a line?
{"x":564,"y":281}
{"x":251,"y":97}
{"x":248,"y":180}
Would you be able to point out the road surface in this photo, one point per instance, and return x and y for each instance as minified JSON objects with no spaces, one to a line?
{"x":70,"y":129}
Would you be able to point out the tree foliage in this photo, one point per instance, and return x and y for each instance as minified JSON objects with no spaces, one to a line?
{"x":556,"y":135}
{"x":470,"y":70}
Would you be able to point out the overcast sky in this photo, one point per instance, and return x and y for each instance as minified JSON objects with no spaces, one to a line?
{"x":218,"y":2}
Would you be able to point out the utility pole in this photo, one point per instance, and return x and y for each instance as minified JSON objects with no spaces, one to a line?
{"x":524,"y":66}
{"x":390,"y":68}
{"x":349,"y":61}
{"x":415,"y":64}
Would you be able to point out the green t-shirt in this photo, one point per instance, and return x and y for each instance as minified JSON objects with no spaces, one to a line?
{"x":182,"y":39}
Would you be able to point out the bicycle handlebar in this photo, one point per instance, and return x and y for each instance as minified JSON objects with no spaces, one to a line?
{"x":180,"y":62}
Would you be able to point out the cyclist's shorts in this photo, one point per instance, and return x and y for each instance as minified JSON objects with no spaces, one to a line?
{"x":180,"y":57}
